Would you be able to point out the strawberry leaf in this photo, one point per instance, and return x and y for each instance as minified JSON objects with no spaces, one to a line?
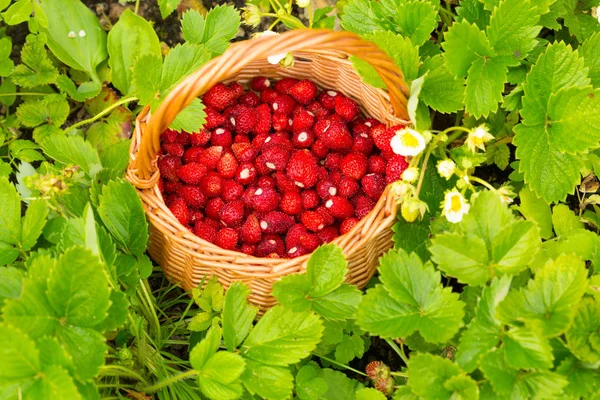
{"x":36,"y":69}
{"x":590,"y":51}
{"x":218,"y":377}
{"x":10,"y":213}
{"x":485,"y":84}
{"x":215,"y":31}
{"x":416,"y":20}
{"x":238,"y":315}
{"x":464,"y":44}
{"x":583,"y":338}
{"x":266,"y":381}
{"x":427,"y":375}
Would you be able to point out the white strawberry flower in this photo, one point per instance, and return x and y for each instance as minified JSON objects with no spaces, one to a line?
{"x":303,"y":3}
{"x":478,"y":137}
{"x":413,"y":208}
{"x":446,"y":168}
{"x":408,"y":142}
{"x":506,"y":194}
{"x":454,"y":206}
{"x":401,"y":189}
{"x":275,"y":58}
{"x":410,"y":174}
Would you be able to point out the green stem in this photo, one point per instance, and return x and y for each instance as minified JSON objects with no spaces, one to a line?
{"x":291,"y":21}
{"x":341,"y":365}
{"x":423,"y":169}
{"x":118,"y":370}
{"x":23,"y":94}
{"x":482,"y":182}
{"x":310,"y":15}
{"x":175,"y":378}
{"x":103,"y":112}
{"x":398,"y":351}
{"x":137,"y":7}
{"x":402,"y":374}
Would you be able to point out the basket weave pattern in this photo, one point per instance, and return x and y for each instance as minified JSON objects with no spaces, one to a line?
{"x":187,"y":259}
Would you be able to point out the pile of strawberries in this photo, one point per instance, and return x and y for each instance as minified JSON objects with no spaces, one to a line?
{"x":277,"y":170}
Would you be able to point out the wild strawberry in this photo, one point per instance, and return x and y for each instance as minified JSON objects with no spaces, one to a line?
{"x":354,"y":165}
{"x":263,"y":123}
{"x":327,"y":217}
{"x":244,"y":152}
{"x":280,"y":139}
{"x":364,"y":205}
{"x":268,"y":96}
{"x":385,"y":385}
{"x":359,"y":128}
{"x":241,"y":139}
{"x":328,"y":234}
{"x":221,"y":137}
{"x":395,"y":167}
{"x":200,"y":138}
{"x":326,"y":189}
{"x":251,"y":231}
{"x":249,"y":99}
{"x":213,"y":118}
{"x":312,"y":220}
{"x":247,"y":248}
{"x":172,"y":186}
{"x":259,"y":83}
{"x":205,"y":231}
{"x":232,"y":213}
{"x":180,"y":211}
{"x":303,"y":139}
{"x":376,"y":165}
{"x":296,"y":251}
{"x":213,"y":207}
{"x":211,"y":156}
{"x":271,"y":244}
{"x":291,"y":203}
{"x":219,"y":97}
{"x":274,"y":158}
{"x":261,"y":168}
{"x":310,"y":199}
{"x":227,"y":238}
{"x":284,"y":85}
{"x":172,"y":198}
{"x":348,"y":187}
{"x":362,"y":143}
{"x":382,"y":137}
{"x":281,"y":122}
{"x":333,"y":161}
{"x":232,"y":190}
{"x":168,"y":136}
{"x":212,"y":222}
{"x":168,"y":167}
{"x":327,"y":99}
{"x":193,"y":196}
{"x":346,"y":107}
{"x":292,"y":238}
{"x":246,"y":173}
{"x":237,"y":89}
{"x":347,"y":225}
{"x":285,"y":184}
{"x":304,"y":92}
{"x":373,"y":185}
{"x":337,"y":137}
{"x":265,"y":200}
{"x":212,"y":184}
{"x":309,"y":241}
{"x":173,"y":149}
{"x":335,"y":177}
{"x":191,"y":173}
{"x":377,"y":369}
{"x":319,"y":149}
{"x":302,"y":121}
{"x":276,"y":222}
{"x":243,"y":119}
{"x":267,"y":181}
{"x":283,"y":104}
{"x":227,"y":165}
{"x":340,"y":207}
{"x":302,"y":169}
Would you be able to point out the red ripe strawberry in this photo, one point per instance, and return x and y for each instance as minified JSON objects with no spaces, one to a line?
{"x":227,"y":238}
{"x":291,"y":203}
{"x":302,"y":169}
{"x":237,"y":89}
{"x":281,"y":122}
{"x":212,"y":184}
{"x":171,"y":187}
{"x":195,"y":216}
{"x":267,"y":182}
{"x":395,"y":167}
{"x":333,"y":161}
{"x":327,"y":99}
{"x":340,"y":207}
{"x":213,"y":207}
{"x":279,"y":139}
{"x":243,"y":118}
{"x":244,"y":152}
{"x":382,"y":137}
{"x":296,"y":251}
{"x":261,"y":168}
{"x":292,"y":238}
{"x":327,"y":217}
{"x":213,"y":118}
{"x":271,"y":244}
{"x":346,"y":107}
{"x":302,"y":121}
{"x":168,"y":167}
{"x":276,"y":222}
{"x":219,"y":97}
{"x":172,"y":198}
{"x":274,"y":158}
{"x":364,"y":205}
{"x":335,"y":177}
{"x":191,"y":173}
{"x":200,"y":139}
{"x":183,"y":138}
{"x":317,"y":110}
{"x":173,"y":149}
{"x":310,"y":199}
{"x":348,"y":187}
{"x":246,"y":173}
{"x":249,"y":99}
{"x":359,"y":127}
{"x":227,"y":165}
{"x":205,"y":231}
{"x":265,"y":200}
{"x":326,"y":189}
{"x":211,"y":156}
{"x":232,"y":213}
{"x":249,"y":249}
{"x":241,"y":139}
{"x":259,"y":83}
{"x":247,"y":196}
{"x":303,"y":139}
{"x":213,"y":222}
{"x":263,"y":123}
{"x":232,"y":190}
{"x":284,"y":85}
{"x":283,"y":104}
{"x":373,"y":185}
{"x":285,"y":184}
{"x":347,"y":225}
{"x":328,"y":234}
{"x":319,"y":149}
{"x":304,"y":92}
{"x":268,"y":96}
{"x":377,"y":165}
{"x":251,"y":231}
{"x":169,"y":136}
{"x":337,"y":137}
{"x":354,"y":165}
{"x":312,"y":220}
{"x":193,"y":196}
{"x":221,"y":137}
{"x":339,"y":119}
{"x":321,"y":126}
{"x":362,"y":143}
{"x":309,"y":241}
{"x":180,"y":211}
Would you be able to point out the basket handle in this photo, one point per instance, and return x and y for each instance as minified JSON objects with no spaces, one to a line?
{"x":238,"y":55}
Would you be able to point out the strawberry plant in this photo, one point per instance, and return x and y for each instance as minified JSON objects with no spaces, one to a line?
{"x":490,"y":291}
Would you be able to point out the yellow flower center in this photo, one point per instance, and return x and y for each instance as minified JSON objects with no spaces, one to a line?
{"x":409,"y":140}
{"x":455,"y":203}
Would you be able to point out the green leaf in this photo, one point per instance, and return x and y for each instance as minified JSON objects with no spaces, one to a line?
{"x":85,"y":91}
{"x":369,"y":394}
{"x":527,"y":349}
{"x":86,"y":347}
{"x":292,"y":291}
{"x":535,"y":209}
{"x":123,"y":215}
{"x":167,"y":7}
{"x":33,"y":223}
{"x":464,"y":44}
{"x":583,"y":338}
{"x":211,"y":298}
{"x":462,"y":387}
{"x":427,"y":374}
{"x":17,"y":13}
{"x":25,"y":150}
{"x":349,"y":348}
{"x":83,"y":52}
{"x":191,"y":118}
{"x":237,"y":315}
{"x":6,"y":88}
{"x":78,"y":288}
{"x":416,"y":20}
{"x":464,"y":257}
{"x":146,"y":78}
{"x":20,"y":356}
{"x":118,"y":311}
{"x":71,"y":151}
{"x":267,"y":382}
{"x":473,"y":12}
{"x":550,"y":299}
{"x":181,"y":61}
{"x":359,"y":17}
{"x":309,"y":386}
{"x":218,"y":377}
{"x":55,"y":383}
{"x":132,"y":36}
{"x":514,"y":248}
{"x":499,"y":155}
{"x":341,"y":304}
{"x":116,"y":158}
{"x":283,"y":337}
{"x":220,"y":26}
{"x":36,"y":69}
{"x":326,"y":270}
{"x":441,"y":90}
{"x":485,"y":84}
{"x":564,"y":220}
{"x":583,"y":382}
{"x":52,"y":109}
{"x":590,"y":52}
{"x":206,"y":348}
{"x":10,"y":213}
{"x":11,"y":283}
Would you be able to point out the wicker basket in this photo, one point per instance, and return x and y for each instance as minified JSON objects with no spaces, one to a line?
{"x":320,"y":55}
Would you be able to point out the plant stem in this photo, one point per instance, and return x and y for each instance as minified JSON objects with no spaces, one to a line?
{"x":175,"y":378}
{"x":286,"y":18}
{"x":23,"y":94}
{"x":422,"y":175}
{"x":482,"y":182}
{"x":118,"y":370}
{"x":103,"y":112}
{"x":398,"y":351}
{"x":137,"y":7}
{"x":341,"y":365}
{"x":402,"y":374}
